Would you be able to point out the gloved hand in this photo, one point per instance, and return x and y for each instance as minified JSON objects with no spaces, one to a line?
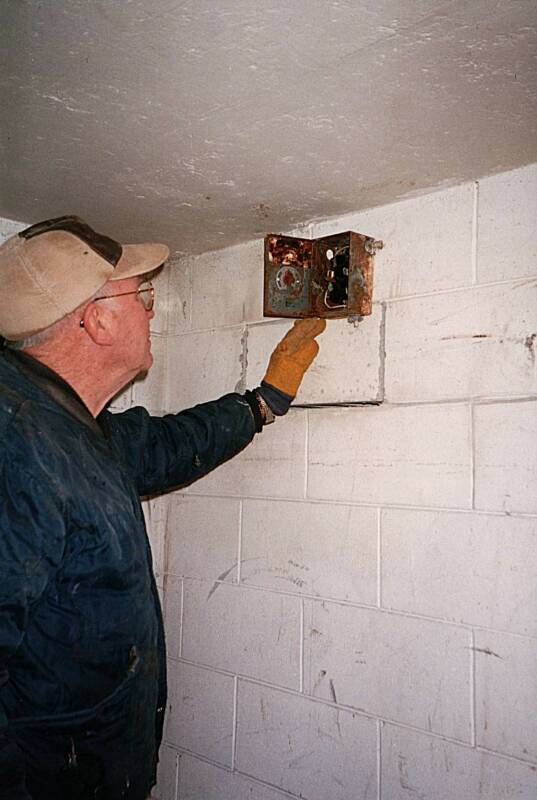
{"x":293,"y":356}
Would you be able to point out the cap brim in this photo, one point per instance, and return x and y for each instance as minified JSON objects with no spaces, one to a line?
{"x":137,"y":259}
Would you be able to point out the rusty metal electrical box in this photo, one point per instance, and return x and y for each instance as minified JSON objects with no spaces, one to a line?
{"x":327,"y":277}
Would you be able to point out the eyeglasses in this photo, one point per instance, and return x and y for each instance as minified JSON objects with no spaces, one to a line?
{"x":145,"y":291}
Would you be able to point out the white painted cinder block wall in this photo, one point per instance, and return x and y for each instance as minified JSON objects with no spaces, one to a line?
{"x":351,"y":603}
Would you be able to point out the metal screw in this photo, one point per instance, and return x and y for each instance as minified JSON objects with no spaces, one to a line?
{"x":372,"y":245}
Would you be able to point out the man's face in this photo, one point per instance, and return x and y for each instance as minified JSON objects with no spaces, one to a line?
{"x":132,"y":348}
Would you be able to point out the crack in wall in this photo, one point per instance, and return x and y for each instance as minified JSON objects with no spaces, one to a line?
{"x":382,"y":354}
{"x":345,"y":404}
{"x":240,"y":386}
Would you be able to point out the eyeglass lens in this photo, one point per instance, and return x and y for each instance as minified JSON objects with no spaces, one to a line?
{"x":146,"y":293}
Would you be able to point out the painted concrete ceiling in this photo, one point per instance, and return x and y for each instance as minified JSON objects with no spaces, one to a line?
{"x":203,"y":123}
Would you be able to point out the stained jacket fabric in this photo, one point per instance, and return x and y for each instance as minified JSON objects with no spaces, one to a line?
{"x":82,"y":659}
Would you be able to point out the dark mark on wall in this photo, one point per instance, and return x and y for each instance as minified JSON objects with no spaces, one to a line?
{"x":474,"y":336}
{"x":282,"y":573}
{"x":295,"y":581}
{"x":221,"y":577}
{"x":295,"y":762}
{"x":322,"y":674}
{"x":529,"y":344}
{"x":298,"y":566}
{"x":333,"y":691}
{"x":403,"y":774}
{"x":487,"y":651}
{"x":262,"y":211}
{"x":338,"y":725}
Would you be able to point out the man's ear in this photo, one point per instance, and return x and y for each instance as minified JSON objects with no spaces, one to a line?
{"x":100,"y":323}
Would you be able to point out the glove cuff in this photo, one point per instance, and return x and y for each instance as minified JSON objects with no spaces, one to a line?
{"x":277,"y":400}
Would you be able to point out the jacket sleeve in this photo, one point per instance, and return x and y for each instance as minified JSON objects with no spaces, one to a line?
{"x":32,"y":535}
{"x":174,"y":450}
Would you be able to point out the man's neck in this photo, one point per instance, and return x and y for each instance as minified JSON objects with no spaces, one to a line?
{"x":93,"y":382}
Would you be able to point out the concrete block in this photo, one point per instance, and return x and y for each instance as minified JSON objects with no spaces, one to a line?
{"x":9,"y":227}
{"x":149,"y":390}
{"x":203,"y":537}
{"x":244,"y":631}
{"x":476,"y":343}
{"x":166,"y":787}
{"x":178,"y":302}
{"x":173,"y":610}
{"x":156,"y":520}
{"x":346,"y":370}
{"x":477,"y":569}
{"x":311,"y":548}
{"x":202,"y":781}
{"x":427,"y":241}
{"x":272,"y":465}
{"x":506,"y":693}
{"x":507,"y":236}
{"x":200,"y":711}
{"x":407,"y":670}
{"x":203,"y":366}
{"x":306,"y":748}
{"x":506,"y":457}
{"x":159,"y":323}
{"x":374,"y":455}
{"x":415,"y":765}
{"x":227,"y":286}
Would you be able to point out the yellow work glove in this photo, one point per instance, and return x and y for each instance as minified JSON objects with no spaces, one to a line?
{"x":293,"y":355}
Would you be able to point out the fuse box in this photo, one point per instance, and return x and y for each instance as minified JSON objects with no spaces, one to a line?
{"x":327,"y":277}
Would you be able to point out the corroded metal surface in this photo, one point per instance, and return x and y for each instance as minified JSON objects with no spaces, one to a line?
{"x":329,"y":277}
{"x":287,"y":276}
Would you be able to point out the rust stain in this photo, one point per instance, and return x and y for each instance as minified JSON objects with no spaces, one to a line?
{"x":289,"y":251}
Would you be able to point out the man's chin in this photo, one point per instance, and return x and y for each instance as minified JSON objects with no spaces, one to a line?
{"x":145,"y":369}
{"x":148,"y":362}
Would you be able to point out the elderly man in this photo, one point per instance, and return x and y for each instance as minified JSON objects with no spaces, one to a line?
{"x":82,"y":659}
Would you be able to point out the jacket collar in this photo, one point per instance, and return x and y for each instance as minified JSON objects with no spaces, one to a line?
{"x":53,"y":384}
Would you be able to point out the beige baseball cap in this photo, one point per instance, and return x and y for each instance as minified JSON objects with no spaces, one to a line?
{"x":52,"y":267}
